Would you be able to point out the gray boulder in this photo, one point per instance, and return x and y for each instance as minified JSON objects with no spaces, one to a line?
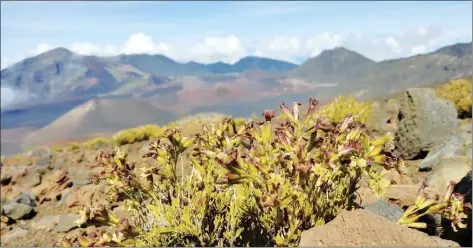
{"x":66,"y":222}
{"x":384,"y":209}
{"x":456,"y":145}
{"x":18,"y":232}
{"x":423,"y":121}
{"x":39,"y":152}
{"x":44,"y":160}
{"x":18,"y":211}
{"x":27,"y":199}
{"x":47,"y":222}
{"x":447,"y":170}
{"x":31,"y":179}
{"x":79,"y":176}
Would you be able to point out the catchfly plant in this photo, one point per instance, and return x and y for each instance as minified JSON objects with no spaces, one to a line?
{"x":257,"y":183}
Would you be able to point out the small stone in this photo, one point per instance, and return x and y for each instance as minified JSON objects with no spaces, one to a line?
{"x":67,"y":222}
{"x":47,"y":223}
{"x":40,"y":152}
{"x":13,"y":234}
{"x":79,"y":176}
{"x":455,"y":145}
{"x":16,"y":172}
{"x":44,"y":161}
{"x":447,"y":170}
{"x":27,"y":199}
{"x":18,"y":211}
{"x":58,"y":164}
{"x":64,"y":195}
{"x":382,"y":208}
{"x":31,"y":180}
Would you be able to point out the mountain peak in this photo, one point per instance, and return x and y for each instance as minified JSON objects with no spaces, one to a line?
{"x":457,"y":50}
{"x":58,"y":51}
{"x":341,"y":53}
{"x":330,"y":62}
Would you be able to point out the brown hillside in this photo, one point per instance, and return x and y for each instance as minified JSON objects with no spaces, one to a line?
{"x":99,"y":116}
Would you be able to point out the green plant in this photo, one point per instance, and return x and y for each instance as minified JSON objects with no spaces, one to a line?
{"x":57,"y":148}
{"x":259,"y":185}
{"x":73,"y":146}
{"x":150,"y":131}
{"x":95,"y":143}
{"x":451,"y":207}
{"x":343,"y":106}
{"x":137,"y":134}
{"x":459,"y":92}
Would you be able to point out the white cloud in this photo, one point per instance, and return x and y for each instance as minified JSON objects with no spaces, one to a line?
{"x":212,"y":49}
{"x":139,"y":43}
{"x":282,"y":48}
{"x":393,"y":45}
{"x":41,"y":48}
{"x":323,"y":41}
{"x":284,"y":44}
{"x":230,"y":48}
{"x":88,"y":48}
{"x":418,"y":49}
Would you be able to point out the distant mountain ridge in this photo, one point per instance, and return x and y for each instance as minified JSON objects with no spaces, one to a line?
{"x":352,"y":71}
{"x":60,"y":73}
{"x":59,"y":80}
{"x":458,"y":50}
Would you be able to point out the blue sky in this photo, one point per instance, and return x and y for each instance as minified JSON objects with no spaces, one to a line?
{"x":226,"y":31}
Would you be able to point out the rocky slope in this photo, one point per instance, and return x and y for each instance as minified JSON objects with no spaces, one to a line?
{"x":42,"y":190}
{"x":99,"y":116}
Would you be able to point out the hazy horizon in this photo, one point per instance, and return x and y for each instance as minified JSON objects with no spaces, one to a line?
{"x":209,"y":32}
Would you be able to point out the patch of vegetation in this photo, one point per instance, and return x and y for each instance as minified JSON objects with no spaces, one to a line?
{"x":73,"y":146}
{"x":57,"y":148}
{"x":132,"y":135}
{"x":261,"y":184}
{"x":344,"y":106}
{"x":452,"y":207}
{"x":459,"y":92}
{"x":96,"y":143}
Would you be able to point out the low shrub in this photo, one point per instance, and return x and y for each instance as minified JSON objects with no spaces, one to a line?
{"x":132,"y":135}
{"x":57,"y":148}
{"x":459,"y":92}
{"x":343,"y":106}
{"x":150,"y":131}
{"x":73,"y":146}
{"x":258,"y":185}
{"x":96,"y":143}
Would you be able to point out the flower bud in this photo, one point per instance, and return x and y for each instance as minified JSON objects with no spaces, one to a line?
{"x":268,"y":115}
